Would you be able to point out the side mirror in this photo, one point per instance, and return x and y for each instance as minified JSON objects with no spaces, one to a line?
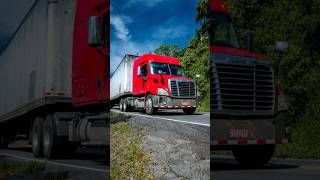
{"x":94,"y":31}
{"x":139,"y":71}
{"x":160,"y":72}
{"x":282,"y":47}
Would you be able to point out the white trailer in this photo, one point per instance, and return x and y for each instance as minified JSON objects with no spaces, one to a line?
{"x":36,"y":71}
{"x":121,"y":79}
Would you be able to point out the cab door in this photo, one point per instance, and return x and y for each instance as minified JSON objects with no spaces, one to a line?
{"x":90,"y":61}
{"x":103,"y":77}
{"x":143,"y":78}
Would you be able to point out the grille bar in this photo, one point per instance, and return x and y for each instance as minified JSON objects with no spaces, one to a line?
{"x":181,"y":88}
{"x":242,"y":87}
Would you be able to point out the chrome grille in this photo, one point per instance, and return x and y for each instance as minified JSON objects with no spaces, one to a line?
{"x":242,"y":87}
{"x":182,"y":88}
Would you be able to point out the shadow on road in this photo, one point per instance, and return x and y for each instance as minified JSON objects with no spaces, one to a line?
{"x":221,"y":164}
{"x":97,"y":155}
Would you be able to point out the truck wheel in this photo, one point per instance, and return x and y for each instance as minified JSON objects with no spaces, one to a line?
{"x":150,"y":109}
{"x":4,"y":138}
{"x":4,"y":141}
{"x":125,"y":105}
{"x":51,"y":142}
{"x":254,"y":156}
{"x":189,"y":110}
{"x":121,"y":105}
{"x":37,"y":137}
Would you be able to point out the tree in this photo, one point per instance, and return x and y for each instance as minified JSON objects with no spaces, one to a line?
{"x":295,"y":21}
{"x":168,"y":50}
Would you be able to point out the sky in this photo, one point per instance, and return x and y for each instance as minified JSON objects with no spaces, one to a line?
{"x":141,"y":26}
{"x":11,"y":14}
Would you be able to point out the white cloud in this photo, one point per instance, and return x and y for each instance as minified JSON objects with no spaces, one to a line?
{"x":120,"y":24}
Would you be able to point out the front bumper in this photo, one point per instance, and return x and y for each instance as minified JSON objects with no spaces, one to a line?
{"x":249,"y":131}
{"x":164,"y":102}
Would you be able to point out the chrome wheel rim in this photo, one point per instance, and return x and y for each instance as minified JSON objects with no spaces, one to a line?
{"x":149,"y":104}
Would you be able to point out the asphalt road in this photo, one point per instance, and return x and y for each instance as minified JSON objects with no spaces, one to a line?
{"x":198,"y":118}
{"x":226,"y":168}
{"x":179,"y":143}
{"x":85,"y":164}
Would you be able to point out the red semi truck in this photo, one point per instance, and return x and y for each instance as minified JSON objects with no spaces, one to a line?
{"x":151,"y":82}
{"x":247,"y":105}
{"x":54,"y":76}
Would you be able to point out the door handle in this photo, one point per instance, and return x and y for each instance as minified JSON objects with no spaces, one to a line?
{"x":145,"y":78}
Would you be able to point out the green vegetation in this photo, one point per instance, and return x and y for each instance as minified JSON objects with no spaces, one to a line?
{"x":195,"y":57}
{"x":128,"y":159}
{"x":11,"y":169}
{"x":298,"y":71}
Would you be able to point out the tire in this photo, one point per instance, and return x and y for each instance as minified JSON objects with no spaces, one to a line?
{"x":254,"y":156}
{"x":4,"y":140}
{"x":4,"y":137}
{"x":125,"y":105}
{"x":189,"y":111}
{"x":150,"y":109}
{"x":121,"y":105}
{"x":37,"y":133}
{"x":52,"y":144}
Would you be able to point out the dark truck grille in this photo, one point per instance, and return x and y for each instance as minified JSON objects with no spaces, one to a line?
{"x":242,"y":87}
{"x":182,"y":88}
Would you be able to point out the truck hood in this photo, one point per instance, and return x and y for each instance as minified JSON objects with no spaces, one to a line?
{"x":218,"y":53}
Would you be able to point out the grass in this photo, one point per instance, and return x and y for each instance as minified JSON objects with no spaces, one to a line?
{"x":128,"y":159}
{"x":10,"y":169}
{"x":305,"y":137}
{"x":204,"y":104}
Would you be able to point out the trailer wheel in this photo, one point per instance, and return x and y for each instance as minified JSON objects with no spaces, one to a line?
{"x":125,"y":105}
{"x":51,"y":142}
{"x":150,"y":109}
{"x":37,"y":137}
{"x":189,"y":111}
{"x":4,"y":140}
{"x":254,"y":156}
{"x":4,"y":137}
{"x":121,"y":105}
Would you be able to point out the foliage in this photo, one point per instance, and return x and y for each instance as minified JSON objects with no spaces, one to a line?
{"x":169,"y":50}
{"x":294,"y":21}
{"x":298,"y":71}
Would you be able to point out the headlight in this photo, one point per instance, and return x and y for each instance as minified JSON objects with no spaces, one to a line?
{"x":162,"y":92}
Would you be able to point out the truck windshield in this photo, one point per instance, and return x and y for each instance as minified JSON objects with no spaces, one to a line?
{"x":169,"y":69}
{"x":222,"y":31}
